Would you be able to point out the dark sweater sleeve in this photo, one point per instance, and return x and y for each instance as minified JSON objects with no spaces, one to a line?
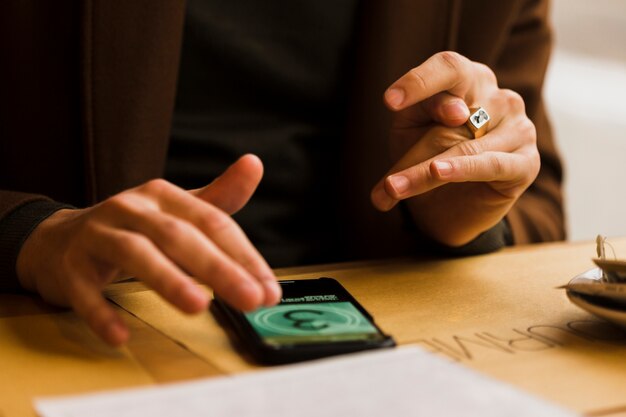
{"x":491,"y":240}
{"x":538,"y":215}
{"x":15,"y":227}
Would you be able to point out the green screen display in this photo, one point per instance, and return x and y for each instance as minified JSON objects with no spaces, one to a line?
{"x":311,"y":323}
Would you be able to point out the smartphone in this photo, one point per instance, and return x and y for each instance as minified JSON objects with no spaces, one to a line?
{"x":315,"y":318}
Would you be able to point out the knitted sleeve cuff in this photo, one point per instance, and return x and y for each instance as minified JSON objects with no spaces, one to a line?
{"x":491,"y":240}
{"x":14,"y":230}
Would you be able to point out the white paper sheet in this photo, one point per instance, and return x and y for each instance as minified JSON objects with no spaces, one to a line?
{"x":399,"y":382}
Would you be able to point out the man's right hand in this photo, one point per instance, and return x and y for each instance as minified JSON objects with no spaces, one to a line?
{"x":160,"y":234}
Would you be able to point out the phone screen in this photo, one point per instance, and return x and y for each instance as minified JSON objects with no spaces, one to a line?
{"x":318,"y":314}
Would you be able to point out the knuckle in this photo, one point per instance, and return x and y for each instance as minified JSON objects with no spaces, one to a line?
{"x":486,"y":73}
{"x":132,"y":243}
{"x":534,"y":163}
{"x":418,"y":79}
{"x":416,"y":175}
{"x":156,"y":186}
{"x":497,"y":166}
{"x":219,"y":272}
{"x":215,"y":221}
{"x":513,"y":100}
{"x":471,"y":166}
{"x":173,"y":229}
{"x":453,"y":60}
{"x":253,"y":264}
{"x":527,"y":131}
{"x":471,"y":147}
{"x":466,"y":166}
{"x":118,"y":203}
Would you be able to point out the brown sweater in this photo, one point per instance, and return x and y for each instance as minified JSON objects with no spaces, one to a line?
{"x":87,"y":92}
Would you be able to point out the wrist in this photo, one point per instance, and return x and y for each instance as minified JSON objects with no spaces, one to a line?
{"x":33,"y":248}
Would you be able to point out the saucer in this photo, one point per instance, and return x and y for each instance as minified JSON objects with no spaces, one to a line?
{"x":602,"y":307}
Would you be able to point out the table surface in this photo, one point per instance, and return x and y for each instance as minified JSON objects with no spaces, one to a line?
{"x":500,"y":314}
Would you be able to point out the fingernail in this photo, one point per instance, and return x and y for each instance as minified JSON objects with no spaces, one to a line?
{"x":196,"y":299}
{"x":399,"y":183}
{"x":250,"y":294}
{"x":273,"y":292}
{"x":455,"y":110}
{"x":443,"y":168}
{"x":394,"y":96}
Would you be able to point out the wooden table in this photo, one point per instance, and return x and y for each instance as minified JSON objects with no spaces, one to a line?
{"x":500,"y":314}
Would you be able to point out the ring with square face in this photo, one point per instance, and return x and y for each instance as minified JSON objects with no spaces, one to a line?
{"x":478,"y":122}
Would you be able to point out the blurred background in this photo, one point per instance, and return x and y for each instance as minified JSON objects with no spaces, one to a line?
{"x":586,"y":96}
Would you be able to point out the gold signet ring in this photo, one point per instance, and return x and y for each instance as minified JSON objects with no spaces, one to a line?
{"x":478,"y":122}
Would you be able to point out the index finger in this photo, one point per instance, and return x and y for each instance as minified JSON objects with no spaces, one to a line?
{"x":444,"y":71}
{"x":220,"y":228}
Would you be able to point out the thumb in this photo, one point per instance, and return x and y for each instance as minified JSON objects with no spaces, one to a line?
{"x":232,"y":190}
{"x":447,"y":109}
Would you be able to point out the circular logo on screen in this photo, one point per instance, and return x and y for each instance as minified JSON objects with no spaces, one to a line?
{"x":294,"y":320}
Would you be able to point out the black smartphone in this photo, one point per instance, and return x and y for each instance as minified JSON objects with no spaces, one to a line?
{"x":315,"y":318}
